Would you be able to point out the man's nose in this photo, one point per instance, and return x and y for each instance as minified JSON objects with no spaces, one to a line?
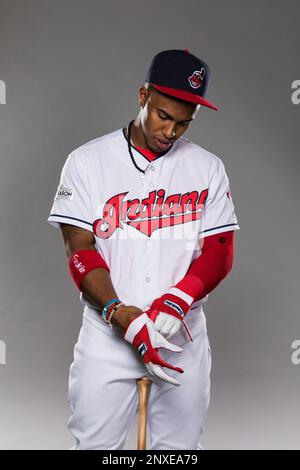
{"x":170,"y":131}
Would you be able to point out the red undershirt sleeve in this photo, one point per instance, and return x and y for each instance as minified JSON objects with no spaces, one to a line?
{"x":211,"y":267}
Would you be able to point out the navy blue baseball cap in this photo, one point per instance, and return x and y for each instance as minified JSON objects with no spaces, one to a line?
{"x":179,"y":73}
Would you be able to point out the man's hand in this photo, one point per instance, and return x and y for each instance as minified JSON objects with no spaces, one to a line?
{"x":168,"y":312}
{"x":124,"y":316}
{"x":142,"y":334}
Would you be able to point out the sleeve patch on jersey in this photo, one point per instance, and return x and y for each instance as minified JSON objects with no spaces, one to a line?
{"x":64,"y":193}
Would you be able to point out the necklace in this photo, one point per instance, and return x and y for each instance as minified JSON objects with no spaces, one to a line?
{"x":129,"y":148}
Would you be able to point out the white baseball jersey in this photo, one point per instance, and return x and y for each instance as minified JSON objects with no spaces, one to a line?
{"x":147,"y":227}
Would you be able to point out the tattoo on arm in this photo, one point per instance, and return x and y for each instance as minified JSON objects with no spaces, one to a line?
{"x":76,"y":238}
{"x":71,"y":229}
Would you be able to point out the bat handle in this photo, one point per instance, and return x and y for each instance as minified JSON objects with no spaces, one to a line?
{"x":143,"y":385}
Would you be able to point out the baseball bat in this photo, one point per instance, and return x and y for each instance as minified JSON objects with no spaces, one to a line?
{"x":143,"y":385}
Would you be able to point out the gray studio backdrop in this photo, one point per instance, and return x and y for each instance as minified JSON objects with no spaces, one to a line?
{"x":70,"y":71}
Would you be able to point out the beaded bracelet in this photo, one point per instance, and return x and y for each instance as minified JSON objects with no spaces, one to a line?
{"x":110,"y":315}
{"x":107,"y":305}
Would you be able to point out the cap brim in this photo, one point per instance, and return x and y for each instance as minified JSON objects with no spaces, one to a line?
{"x":185,"y":95}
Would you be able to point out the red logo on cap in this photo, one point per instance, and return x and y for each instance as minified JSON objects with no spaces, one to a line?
{"x":196,"y":79}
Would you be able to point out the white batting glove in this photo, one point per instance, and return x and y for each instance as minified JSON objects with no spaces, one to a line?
{"x":144,"y":337}
{"x":168,"y":312}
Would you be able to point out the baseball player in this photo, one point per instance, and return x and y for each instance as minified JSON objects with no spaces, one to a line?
{"x":148,"y":221}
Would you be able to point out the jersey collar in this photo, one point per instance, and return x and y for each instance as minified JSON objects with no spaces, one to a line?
{"x":148,"y":154}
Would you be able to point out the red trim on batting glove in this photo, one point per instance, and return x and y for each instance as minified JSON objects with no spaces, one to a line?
{"x":151,"y":355}
{"x":159,"y":306}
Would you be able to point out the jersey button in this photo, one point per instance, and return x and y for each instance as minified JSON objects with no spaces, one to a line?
{"x":147,"y":279}
{"x":152,"y":168}
{"x":149,"y":244}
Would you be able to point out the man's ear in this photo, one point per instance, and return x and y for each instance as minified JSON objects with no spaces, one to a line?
{"x":143,"y":95}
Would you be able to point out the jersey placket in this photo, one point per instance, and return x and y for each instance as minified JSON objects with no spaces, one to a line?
{"x":147,"y":274}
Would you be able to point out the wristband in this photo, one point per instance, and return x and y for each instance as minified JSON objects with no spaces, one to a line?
{"x":84,"y":261}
